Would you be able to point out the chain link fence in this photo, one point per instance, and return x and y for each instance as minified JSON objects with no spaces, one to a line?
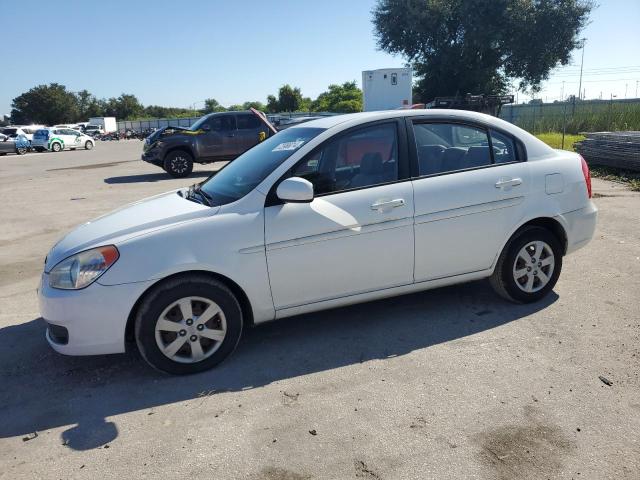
{"x":575,"y":117}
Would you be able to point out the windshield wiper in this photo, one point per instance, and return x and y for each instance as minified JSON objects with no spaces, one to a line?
{"x":204,"y":197}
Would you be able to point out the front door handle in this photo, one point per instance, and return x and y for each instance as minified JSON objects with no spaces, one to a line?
{"x":508,"y":182}
{"x":385,"y":204}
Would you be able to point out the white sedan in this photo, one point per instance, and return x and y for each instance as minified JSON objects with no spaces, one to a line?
{"x":332,"y":212}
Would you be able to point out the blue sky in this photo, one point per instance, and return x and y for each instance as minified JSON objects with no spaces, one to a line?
{"x":176,"y":53}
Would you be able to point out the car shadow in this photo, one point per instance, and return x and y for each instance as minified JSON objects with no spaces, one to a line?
{"x":43,"y":390}
{"x":150,"y":177}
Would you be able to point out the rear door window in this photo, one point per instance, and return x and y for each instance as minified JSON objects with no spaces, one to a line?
{"x":504,"y":149}
{"x":447,"y":147}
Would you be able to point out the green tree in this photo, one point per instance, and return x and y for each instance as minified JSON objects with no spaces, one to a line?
{"x":88,"y":106}
{"x":211,"y":105}
{"x":480,"y":46}
{"x":235,"y":108}
{"x":47,"y":104}
{"x":257,"y":105}
{"x":289,"y":98}
{"x":345,"y":98}
{"x":272,"y":104}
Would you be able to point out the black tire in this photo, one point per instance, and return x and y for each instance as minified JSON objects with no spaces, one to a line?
{"x":168,"y":292}
{"x":56,"y":147}
{"x":503,"y":279}
{"x":21,"y":151}
{"x":88,"y":145}
{"x":178,"y":164}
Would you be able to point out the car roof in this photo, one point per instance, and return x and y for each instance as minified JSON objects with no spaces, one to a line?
{"x":535,"y":148}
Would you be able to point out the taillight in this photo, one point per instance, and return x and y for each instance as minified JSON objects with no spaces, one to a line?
{"x":587,"y":175}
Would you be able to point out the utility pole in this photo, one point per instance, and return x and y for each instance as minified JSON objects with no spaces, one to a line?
{"x":583,"y":41}
{"x":562,"y":93}
{"x":625,"y":89}
{"x":637,"y":81}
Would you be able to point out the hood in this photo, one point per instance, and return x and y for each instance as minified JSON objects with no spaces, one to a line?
{"x":165,"y":131}
{"x":130,"y":221}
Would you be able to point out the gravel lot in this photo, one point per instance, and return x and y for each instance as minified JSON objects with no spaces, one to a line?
{"x":450,"y":383}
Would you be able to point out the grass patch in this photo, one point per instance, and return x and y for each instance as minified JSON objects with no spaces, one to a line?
{"x":632,"y":179}
{"x":554,"y":139}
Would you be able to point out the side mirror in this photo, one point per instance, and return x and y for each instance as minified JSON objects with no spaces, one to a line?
{"x":206,"y":127}
{"x":295,"y":190}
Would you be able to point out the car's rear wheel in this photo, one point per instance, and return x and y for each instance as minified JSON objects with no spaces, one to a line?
{"x":178,"y":164}
{"x":529,"y":265}
{"x":56,"y":146}
{"x":88,"y":145}
{"x":188,"y":324}
{"x":21,"y":150}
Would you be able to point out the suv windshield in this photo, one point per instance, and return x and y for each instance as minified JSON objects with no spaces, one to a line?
{"x":198,"y":123}
{"x":246,"y":172}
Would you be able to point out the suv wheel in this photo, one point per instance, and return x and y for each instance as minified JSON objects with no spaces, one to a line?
{"x":178,"y":164}
{"x":188,"y":324}
{"x":529,"y":266}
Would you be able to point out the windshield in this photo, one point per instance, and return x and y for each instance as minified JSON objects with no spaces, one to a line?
{"x":198,"y":123}
{"x":246,"y":172}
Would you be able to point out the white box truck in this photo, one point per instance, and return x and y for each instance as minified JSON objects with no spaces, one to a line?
{"x":108,"y":124}
{"x":386,"y":88}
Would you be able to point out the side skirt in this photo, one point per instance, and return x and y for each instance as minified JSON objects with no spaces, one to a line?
{"x":379,"y":294}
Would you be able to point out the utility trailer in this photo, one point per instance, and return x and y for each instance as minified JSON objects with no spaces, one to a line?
{"x":386,"y":89}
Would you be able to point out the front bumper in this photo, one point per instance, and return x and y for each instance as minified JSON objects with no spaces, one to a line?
{"x":580,"y":226}
{"x":95,"y":317}
{"x":153,"y":156}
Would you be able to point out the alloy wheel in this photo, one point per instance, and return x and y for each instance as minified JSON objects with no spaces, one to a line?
{"x":179,"y":164}
{"x":533,"y":267}
{"x":190,"y":329}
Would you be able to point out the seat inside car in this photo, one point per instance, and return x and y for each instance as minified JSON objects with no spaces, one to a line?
{"x":430,"y":159}
{"x":477,"y":156}
{"x":453,"y":159}
{"x":371,"y":171}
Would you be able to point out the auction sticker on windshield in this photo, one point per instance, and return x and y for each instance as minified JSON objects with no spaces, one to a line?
{"x":288,"y":146}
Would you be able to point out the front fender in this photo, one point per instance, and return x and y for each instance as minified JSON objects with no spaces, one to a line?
{"x":231,"y":245}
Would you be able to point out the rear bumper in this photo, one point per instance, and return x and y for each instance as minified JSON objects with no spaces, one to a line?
{"x":580,"y":226}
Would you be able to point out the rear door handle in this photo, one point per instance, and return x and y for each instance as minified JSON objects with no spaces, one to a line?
{"x":508,"y":182}
{"x":384,"y":204}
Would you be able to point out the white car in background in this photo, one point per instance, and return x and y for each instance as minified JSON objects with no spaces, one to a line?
{"x":58,"y":139}
{"x":332,"y":212}
{"x":13,"y":131}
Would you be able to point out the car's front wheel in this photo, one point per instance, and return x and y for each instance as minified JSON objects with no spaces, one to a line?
{"x":88,"y":145}
{"x":178,"y":164}
{"x":21,"y":150}
{"x":188,"y":324}
{"x":529,"y":265}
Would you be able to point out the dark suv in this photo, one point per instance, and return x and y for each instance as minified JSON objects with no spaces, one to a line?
{"x":215,"y":137}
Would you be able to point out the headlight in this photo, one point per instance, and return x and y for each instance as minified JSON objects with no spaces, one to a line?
{"x":82,"y":269}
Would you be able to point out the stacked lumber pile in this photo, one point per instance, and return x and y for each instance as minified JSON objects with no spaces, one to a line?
{"x":613,"y":149}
